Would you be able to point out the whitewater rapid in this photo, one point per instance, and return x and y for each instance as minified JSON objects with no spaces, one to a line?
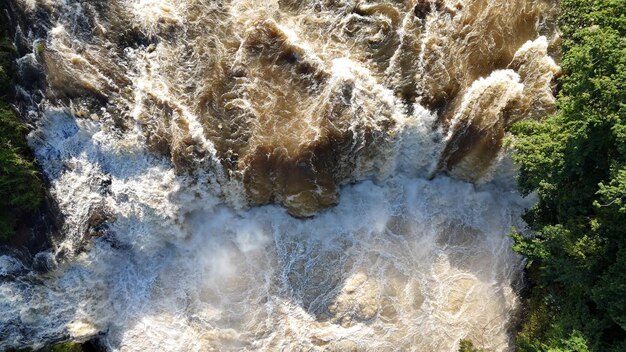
{"x":277,"y":175}
{"x":402,"y":264}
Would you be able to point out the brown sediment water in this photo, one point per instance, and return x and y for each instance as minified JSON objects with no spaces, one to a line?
{"x":281,"y":175}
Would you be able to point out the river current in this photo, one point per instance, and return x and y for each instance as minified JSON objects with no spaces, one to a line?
{"x":318,"y":175}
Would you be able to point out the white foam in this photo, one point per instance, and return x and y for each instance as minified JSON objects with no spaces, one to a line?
{"x":406,"y":263}
{"x":402,"y":263}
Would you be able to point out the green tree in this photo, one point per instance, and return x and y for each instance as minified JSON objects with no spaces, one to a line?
{"x":576,"y":162}
{"x":468,"y":346}
{"x":59,"y":347}
{"x":20,"y":185}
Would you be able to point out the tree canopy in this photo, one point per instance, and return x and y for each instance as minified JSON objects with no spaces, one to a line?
{"x":576,"y":163}
{"x":20,"y":185}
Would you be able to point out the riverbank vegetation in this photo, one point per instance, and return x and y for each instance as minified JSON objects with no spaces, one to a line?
{"x":576,"y":162}
{"x":20,"y":185}
{"x":60,"y":347}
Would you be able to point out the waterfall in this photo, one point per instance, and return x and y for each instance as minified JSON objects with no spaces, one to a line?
{"x":279,"y":175}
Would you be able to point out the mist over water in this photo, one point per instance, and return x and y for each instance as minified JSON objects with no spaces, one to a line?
{"x":278,"y":175}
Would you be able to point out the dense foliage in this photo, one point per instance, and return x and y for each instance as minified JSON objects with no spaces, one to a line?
{"x":468,"y":346}
{"x":20,"y":187}
{"x":60,"y":347}
{"x":576,"y":162}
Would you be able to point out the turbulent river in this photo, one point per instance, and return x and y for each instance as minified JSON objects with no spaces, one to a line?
{"x":277,"y":175}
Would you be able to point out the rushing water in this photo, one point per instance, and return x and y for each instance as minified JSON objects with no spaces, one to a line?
{"x":319,"y":175}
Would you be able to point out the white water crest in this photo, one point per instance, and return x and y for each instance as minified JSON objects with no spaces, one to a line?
{"x":280,"y":175}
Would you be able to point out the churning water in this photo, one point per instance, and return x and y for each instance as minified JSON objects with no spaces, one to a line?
{"x":319,"y":175}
